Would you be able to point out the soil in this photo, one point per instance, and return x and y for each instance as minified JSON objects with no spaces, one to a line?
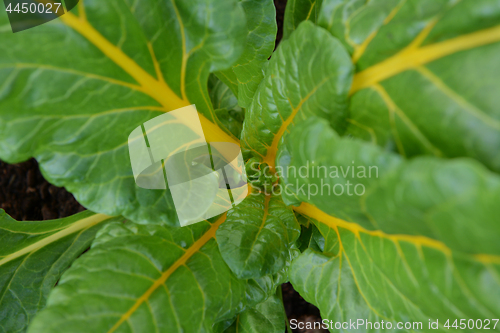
{"x":280,"y":15}
{"x":27,"y":196}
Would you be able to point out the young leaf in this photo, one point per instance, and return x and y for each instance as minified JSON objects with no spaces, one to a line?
{"x":150,"y":278}
{"x":106,"y":81}
{"x":427,"y":75}
{"x":258,"y":237}
{"x":309,"y":74}
{"x":33,"y":256}
{"x":268,"y":316}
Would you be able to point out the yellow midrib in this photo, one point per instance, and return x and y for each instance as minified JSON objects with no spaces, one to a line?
{"x":310,"y":11}
{"x":197,"y":245}
{"x":161,"y":92}
{"x":416,"y":56}
{"x":271,"y":151}
{"x":157,"y":89}
{"x":333,"y":222}
{"x":77,"y":226}
{"x":360,"y":50}
{"x":267,"y":199}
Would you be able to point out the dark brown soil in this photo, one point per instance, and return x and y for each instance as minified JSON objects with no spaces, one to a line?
{"x":26,"y":195}
{"x":280,"y":14}
{"x":297,"y":308}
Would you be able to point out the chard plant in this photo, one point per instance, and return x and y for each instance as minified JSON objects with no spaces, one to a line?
{"x":372,"y":141}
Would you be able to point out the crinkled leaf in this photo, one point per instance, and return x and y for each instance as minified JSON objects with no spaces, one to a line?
{"x":33,"y":256}
{"x":300,"y":10}
{"x":268,"y":316}
{"x":150,"y":278}
{"x":111,"y":67}
{"x":427,"y":74}
{"x":258,"y":237}
{"x":309,"y":74}
{"x":247,"y":72}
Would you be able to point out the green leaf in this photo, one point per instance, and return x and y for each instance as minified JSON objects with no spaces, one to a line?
{"x":353,"y":21}
{"x":453,"y":201}
{"x":374,"y":277}
{"x":297,"y":11}
{"x":427,"y":75}
{"x":229,"y":114}
{"x":33,"y":256}
{"x":111,"y":67}
{"x":258,"y":237}
{"x":302,"y":79}
{"x":268,"y":316}
{"x":248,"y":71}
{"x":221,"y":96}
{"x":403,"y":276}
{"x":310,"y":237}
{"x":150,"y":278}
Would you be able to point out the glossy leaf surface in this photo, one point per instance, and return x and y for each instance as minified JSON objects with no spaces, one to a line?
{"x":258,"y":237}
{"x":299,"y":82}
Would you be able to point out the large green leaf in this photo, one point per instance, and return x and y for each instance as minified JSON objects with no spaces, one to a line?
{"x":421,"y":242}
{"x":377,"y":277}
{"x":248,"y":71}
{"x":427,"y":76}
{"x":302,"y":79}
{"x":150,"y":278}
{"x":111,"y":67}
{"x":454,"y":201}
{"x":258,"y":237}
{"x":33,"y":255}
